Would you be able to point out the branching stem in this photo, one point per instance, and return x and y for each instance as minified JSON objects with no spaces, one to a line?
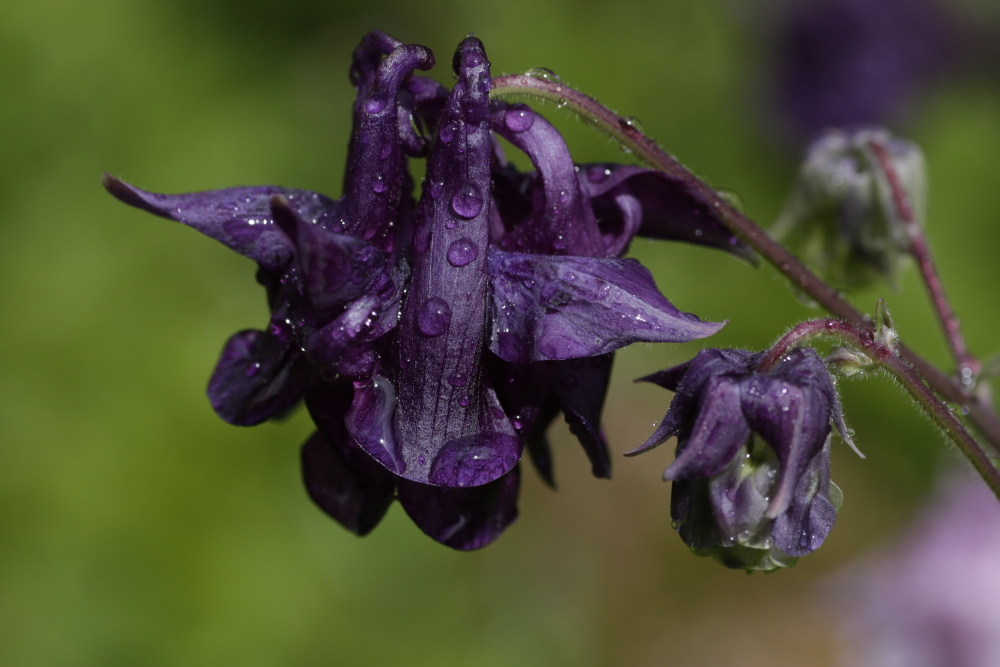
{"x":627,"y":133}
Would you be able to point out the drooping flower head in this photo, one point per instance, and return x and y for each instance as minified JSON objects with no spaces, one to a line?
{"x":841,"y":216}
{"x":751,"y":481}
{"x":432,"y":341}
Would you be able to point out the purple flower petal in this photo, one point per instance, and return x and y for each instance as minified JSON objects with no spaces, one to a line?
{"x":562,"y":222}
{"x":631,"y":200}
{"x":804,"y":525}
{"x":342,"y":479}
{"x":463,"y":519}
{"x":257,"y":377}
{"x":548,"y":307}
{"x":327,"y":346}
{"x":376,"y":168}
{"x":791,"y":409}
{"x":580,"y":387}
{"x":346,"y":484}
{"x":239,"y":218}
{"x":448,"y":426}
{"x":369,"y":422}
{"x":719,"y":431}
{"x":335,"y":269}
{"x":687,"y":380}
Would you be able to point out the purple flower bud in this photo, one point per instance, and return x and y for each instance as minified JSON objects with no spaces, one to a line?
{"x":751,"y":481}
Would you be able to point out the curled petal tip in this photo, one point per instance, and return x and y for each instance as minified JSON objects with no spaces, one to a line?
{"x":121,"y":191}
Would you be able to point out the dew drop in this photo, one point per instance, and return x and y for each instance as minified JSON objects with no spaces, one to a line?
{"x":434,"y":317}
{"x":630,"y":122}
{"x":458,"y":380}
{"x":378,"y":183}
{"x":467,"y":201}
{"x":464,"y":401}
{"x":462,"y":252}
{"x":472,"y":59}
{"x":447,"y":133}
{"x":543,"y":73}
{"x":436,"y":189}
{"x":519,"y":118}
{"x":597,"y":173}
{"x":375,"y":105}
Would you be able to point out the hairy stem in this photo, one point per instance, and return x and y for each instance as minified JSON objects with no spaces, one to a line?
{"x":865,"y":342}
{"x":968,"y":365}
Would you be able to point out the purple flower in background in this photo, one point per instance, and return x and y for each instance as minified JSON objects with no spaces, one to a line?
{"x":843,"y":62}
{"x":432,"y":341}
{"x":751,"y":481}
{"x":931,"y":597}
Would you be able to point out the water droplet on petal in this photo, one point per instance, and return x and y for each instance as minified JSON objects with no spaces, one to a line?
{"x":458,"y":380}
{"x":467,"y":201}
{"x":378,"y":183}
{"x":596,"y":173}
{"x":462,"y":252}
{"x":472,"y":59}
{"x":375,"y":105}
{"x":436,"y":189}
{"x":464,"y":401}
{"x":543,"y":73}
{"x":447,"y":133}
{"x":434,"y":317}
{"x":519,"y":118}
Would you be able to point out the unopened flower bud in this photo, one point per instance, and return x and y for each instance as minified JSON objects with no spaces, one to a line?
{"x":841,"y":215}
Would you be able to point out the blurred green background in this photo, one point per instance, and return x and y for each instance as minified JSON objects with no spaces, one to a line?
{"x":138,"y":529}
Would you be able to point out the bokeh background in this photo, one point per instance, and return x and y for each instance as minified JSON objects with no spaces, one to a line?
{"x":138,"y":529}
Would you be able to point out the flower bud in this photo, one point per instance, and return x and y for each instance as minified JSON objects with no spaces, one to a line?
{"x":751,"y":480}
{"x":841,"y":216}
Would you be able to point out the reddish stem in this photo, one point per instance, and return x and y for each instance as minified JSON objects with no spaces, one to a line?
{"x":863,"y":340}
{"x":968,"y":365}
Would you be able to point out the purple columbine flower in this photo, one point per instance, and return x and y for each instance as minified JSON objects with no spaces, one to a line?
{"x":751,"y":481}
{"x":408,"y":328}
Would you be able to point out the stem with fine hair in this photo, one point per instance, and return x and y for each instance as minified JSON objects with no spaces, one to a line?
{"x":968,"y":365}
{"x":864,"y":341}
